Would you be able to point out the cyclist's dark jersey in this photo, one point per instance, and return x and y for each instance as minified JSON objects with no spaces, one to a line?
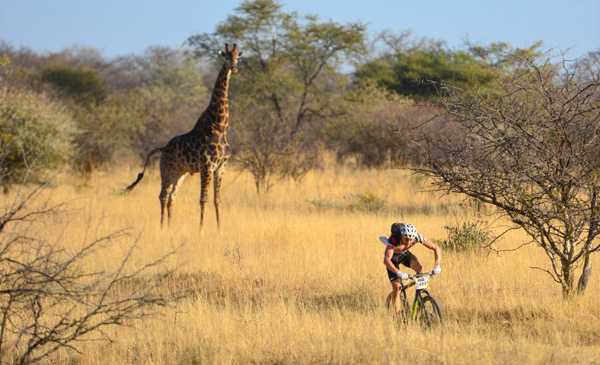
{"x":404,"y":258}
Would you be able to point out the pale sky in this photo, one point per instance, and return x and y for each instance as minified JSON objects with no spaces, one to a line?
{"x":123,"y":27}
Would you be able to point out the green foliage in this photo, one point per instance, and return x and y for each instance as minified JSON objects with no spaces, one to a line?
{"x":364,"y":202}
{"x":413,"y":70}
{"x":4,"y":65}
{"x":409,"y":72}
{"x":111,"y":131}
{"x":378,"y":71}
{"x":172,"y":100}
{"x":35,"y":133}
{"x":83,"y":86}
{"x":367,"y":202}
{"x":368,"y":129}
{"x":292,"y":91}
{"x":502,"y":56}
{"x":176,"y":83}
{"x":144,"y":101}
{"x":470,"y":236}
{"x":377,"y":127}
{"x":321,"y":205}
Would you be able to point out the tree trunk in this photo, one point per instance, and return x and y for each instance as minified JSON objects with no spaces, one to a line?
{"x":568,"y":278}
{"x":585,"y":275}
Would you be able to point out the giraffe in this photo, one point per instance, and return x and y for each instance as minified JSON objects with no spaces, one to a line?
{"x":204,"y":149}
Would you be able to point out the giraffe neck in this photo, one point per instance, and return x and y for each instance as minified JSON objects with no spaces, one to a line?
{"x":217,"y":113}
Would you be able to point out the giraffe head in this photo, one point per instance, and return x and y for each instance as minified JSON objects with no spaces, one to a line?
{"x":231,"y":57}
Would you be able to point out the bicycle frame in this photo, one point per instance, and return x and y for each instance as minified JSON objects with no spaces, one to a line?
{"x":424,"y":306}
{"x":418,"y":299}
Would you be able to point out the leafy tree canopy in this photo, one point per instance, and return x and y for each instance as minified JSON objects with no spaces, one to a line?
{"x":414,"y":69}
{"x":289,"y":60}
{"x":82,"y":85}
{"x":404,"y":73}
{"x":290,"y":80}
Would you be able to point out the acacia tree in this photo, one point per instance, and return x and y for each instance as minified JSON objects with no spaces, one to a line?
{"x":289,"y":79}
{"x":531,"y":148}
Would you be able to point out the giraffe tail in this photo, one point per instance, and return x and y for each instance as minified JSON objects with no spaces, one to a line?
{"x":141,"y":174}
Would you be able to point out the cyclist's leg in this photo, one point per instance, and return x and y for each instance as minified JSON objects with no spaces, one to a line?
{"x":396,"y":296}
{"x":414,"y":262}
{"x":395,"y":281}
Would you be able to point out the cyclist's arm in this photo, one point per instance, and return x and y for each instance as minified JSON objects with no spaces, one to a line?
{"x":387,"y":259}
{"x":437,"y":251}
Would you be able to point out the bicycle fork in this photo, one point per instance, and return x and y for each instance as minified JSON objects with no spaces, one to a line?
{"x":417,"y":302}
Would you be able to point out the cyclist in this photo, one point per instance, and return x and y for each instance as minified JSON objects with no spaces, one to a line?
{"x":403,"y":237}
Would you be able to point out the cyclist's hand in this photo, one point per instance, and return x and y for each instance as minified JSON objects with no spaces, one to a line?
{"x":402,"y":275}
{"x":437,"y":270}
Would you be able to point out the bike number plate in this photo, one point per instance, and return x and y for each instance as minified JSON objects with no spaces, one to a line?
{"x":422,"y":282}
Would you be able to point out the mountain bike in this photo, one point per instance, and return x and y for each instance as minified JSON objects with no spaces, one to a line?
{"x":425,"y":309}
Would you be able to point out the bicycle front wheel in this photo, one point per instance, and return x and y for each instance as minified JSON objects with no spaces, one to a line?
{"x":430,"y":313}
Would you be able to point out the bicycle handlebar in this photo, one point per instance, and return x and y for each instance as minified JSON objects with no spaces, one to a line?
{"x":412,"y":277}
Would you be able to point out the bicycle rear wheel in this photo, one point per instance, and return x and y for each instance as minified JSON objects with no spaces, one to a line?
{"x":429,"y":313}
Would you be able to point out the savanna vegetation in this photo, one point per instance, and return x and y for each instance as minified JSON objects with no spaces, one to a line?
{"x":290,"y":280}
{"x":326,"y":121}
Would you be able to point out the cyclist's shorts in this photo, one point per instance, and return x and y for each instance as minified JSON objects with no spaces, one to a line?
{"x":401,"y":258}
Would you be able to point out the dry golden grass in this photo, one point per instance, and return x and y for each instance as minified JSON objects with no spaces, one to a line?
{"x":283,"y":282}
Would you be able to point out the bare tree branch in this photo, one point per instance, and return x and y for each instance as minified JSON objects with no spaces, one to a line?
{"x":49,"y":300}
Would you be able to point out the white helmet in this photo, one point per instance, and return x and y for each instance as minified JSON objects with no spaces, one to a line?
{"x":408,"y":231}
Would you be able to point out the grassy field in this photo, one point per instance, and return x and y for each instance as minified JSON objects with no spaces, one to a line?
{"x":296,"y":275}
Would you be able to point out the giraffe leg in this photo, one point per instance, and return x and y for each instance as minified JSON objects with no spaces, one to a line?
{"x":205,"y":177}
{"x":165,"y":191}
{"x":166,"y":184}
{"x":217,"y":185}
{"x":176,"y":185}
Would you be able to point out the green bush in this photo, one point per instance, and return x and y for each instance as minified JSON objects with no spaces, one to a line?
{"x":111,"y":131}
{"x":353,"y":202}
{"x":35,"y":133}
{"x":364,"y":202}
{"x":82,"y":85}
{"x":321,"y":205}
{"x":470,"y":236}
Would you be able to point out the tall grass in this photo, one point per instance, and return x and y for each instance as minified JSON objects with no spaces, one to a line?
{"x":283,"y":282}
